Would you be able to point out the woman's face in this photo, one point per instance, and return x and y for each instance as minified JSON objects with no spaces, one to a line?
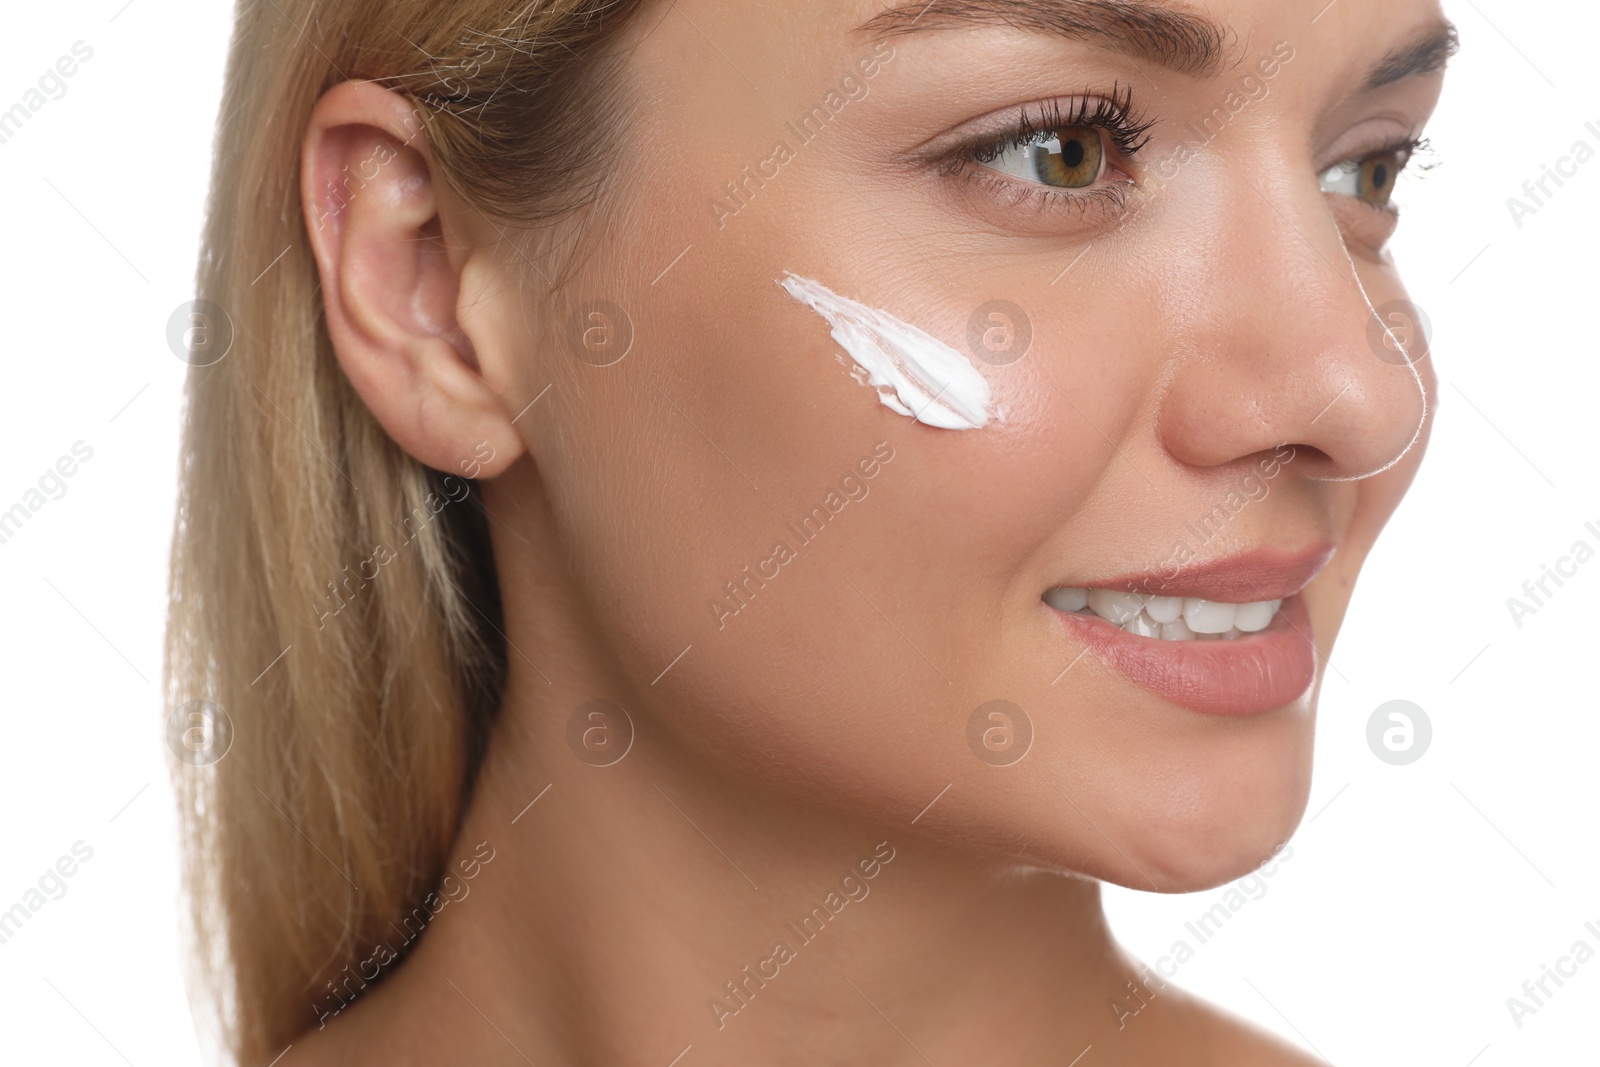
{"x":1127,"y":221}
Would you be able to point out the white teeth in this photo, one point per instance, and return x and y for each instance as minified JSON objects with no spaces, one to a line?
{"x":1165,"y":609}
{"x":1176,"y":631}
{"x":1167,"y":618}
{"x":1143,"y":625}
{"x":1208,"y":616}
{"x":1068,"y":600}
{"x":1254,"y":617}
{"x":1115,"y":607}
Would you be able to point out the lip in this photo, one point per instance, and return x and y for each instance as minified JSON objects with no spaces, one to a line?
{"x":1250,"y":675}
{"x":1258,"y":574}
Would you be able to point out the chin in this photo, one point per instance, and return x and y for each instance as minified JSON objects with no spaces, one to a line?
{"x":1228,"y":819}
{"x":1205,"y":806}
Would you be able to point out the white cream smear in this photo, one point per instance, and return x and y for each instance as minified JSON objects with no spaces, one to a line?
{"x":914,"y":373}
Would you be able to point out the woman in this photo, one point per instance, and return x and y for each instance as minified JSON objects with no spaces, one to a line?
{"x":722,"y":524}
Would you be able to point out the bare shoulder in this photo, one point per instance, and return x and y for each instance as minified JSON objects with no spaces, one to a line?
{"x":1258,"y":1048}
{"x":1235,"y":1042}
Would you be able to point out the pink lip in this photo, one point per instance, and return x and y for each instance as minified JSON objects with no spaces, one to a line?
{"x":1250,"y":675}
{"x":1259,"y":574}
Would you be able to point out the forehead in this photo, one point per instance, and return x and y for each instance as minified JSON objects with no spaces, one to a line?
{"x":745,"y":63}
{"x":1199,"y":38}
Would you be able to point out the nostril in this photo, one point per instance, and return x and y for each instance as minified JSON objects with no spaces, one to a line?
{"x":1309,"y":455}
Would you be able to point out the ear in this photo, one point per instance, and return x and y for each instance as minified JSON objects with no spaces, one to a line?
{"x":392,"y":283}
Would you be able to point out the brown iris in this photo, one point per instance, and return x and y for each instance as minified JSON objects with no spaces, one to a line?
{"x":1376,"y":178}
{"x":1072,"y":159}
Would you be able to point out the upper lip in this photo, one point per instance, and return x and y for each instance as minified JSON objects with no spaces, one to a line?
{"x":1256,"y":574}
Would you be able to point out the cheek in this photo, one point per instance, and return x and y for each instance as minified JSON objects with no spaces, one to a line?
{"x":850,"y":667}
{"x":1365,"y":507}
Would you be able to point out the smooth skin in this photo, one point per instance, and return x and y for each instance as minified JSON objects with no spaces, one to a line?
{"x":1175,"y":344}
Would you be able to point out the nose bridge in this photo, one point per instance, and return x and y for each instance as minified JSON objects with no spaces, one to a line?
{"x":1277,"y":348}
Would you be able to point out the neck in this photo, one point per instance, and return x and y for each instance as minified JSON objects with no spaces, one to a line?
{"x":640,"y":908}
{"x":621,"y":912}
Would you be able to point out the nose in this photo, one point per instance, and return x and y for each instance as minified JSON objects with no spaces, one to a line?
{"x":1277,"y":340}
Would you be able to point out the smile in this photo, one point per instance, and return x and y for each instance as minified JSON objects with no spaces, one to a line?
{"x":1195,"y":640}
{"x":1167,"y":618}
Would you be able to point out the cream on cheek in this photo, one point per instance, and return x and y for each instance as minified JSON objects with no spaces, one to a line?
{"x":914,"y":373}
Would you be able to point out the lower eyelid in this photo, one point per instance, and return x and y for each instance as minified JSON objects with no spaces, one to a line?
{"x":1368,"y":225}
{"x":1109,"y":198}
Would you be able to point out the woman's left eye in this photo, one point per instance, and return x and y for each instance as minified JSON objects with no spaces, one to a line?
{"x":1370,"y":179}
{"x":1070,"y":157}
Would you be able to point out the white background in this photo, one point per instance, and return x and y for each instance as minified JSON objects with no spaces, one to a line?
{"x":1417,"y":899}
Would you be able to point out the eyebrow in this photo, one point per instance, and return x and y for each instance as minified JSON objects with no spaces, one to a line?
{"x":1188,"y":44}
{"x":1428,"y":53}
{"x":1178,"y":40}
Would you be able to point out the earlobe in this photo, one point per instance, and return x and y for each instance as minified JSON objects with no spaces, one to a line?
{"x":391,"y":280}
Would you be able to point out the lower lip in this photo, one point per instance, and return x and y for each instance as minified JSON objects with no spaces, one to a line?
{"x":1250,"y":675}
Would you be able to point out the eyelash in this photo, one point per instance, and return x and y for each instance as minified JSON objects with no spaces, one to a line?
{"x":1412,"y":152}
{"x":1125,"y":129}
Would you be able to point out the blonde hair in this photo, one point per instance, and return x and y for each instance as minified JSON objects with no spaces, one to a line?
{"x":356,"y":731}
